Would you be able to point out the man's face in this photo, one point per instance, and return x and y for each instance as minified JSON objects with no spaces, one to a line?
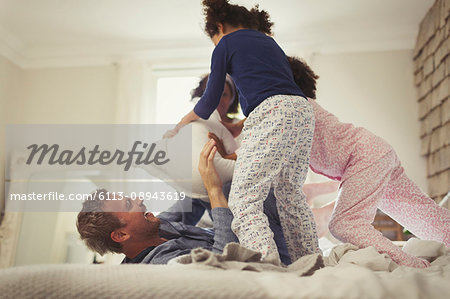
{"x":138,"y":224}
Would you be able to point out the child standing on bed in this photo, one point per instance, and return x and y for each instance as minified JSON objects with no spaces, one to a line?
{"x":278,"y":132}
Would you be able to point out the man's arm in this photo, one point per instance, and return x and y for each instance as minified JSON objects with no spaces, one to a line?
{"x":221,"y":215}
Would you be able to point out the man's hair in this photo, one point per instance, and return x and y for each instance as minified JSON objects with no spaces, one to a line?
{"x":304,"y":76}
{"x":221,"y":11}
{"x":200,"y":89}
{"x":95,"y":226}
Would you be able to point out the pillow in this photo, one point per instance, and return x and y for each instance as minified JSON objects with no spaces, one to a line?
{"x":179,"y":177}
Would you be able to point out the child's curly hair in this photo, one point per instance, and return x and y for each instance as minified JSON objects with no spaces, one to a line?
{"x":304,"y":76}
{"x":221,"y":11}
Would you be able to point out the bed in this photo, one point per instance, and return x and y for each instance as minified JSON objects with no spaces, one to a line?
{"x":347,"y":272}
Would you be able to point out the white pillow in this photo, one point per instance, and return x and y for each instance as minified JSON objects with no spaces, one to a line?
{"x":176,"y":176}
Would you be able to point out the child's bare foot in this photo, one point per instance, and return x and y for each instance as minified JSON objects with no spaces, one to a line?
{"x":322,"y":216}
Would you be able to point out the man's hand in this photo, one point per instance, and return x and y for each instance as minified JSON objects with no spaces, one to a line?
{"x":207,"y":169}
{"x":210,"y":177}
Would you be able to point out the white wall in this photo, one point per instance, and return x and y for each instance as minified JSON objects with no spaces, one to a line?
{"x":10,"y":86}
{"x":375,"y":90}
{"x":84,"y":95}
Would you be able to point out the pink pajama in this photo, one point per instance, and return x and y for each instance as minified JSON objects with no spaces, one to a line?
{"x":384,"y":185}
{"x":371,"y":177}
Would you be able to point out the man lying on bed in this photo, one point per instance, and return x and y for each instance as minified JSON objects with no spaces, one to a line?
{"x":144,"y":238}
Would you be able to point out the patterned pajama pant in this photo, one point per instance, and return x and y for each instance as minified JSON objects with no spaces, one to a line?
{"x":385,"y":185}
{"x":275,"y":151}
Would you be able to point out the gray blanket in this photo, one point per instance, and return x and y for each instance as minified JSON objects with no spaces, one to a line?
{"x":236,"y":257}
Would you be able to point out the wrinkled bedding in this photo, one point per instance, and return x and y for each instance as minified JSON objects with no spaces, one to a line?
{"x":348,"y":272}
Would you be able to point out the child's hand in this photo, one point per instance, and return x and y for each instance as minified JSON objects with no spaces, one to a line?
{"x":219,"y":144}
{"x":187,"y":119}
{"x":170,"y":133}
{"x":221,"y":147}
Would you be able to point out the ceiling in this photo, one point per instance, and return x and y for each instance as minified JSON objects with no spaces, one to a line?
{"x":36,"y":33}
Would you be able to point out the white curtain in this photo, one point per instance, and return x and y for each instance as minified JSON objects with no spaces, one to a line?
{"x":136,"y":101}
{"x":134,"y":95}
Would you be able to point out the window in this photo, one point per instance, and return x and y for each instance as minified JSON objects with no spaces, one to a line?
{"x":173,"y":98}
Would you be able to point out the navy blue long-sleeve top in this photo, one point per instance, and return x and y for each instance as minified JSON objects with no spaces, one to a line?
{"x":258,"y":66}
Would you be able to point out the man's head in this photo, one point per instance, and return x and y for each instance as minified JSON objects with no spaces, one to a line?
{"x":110,"y":225}
{"x":304,"y":77}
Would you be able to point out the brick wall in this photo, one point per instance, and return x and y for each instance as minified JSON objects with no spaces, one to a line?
{"x":432,"y":78}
